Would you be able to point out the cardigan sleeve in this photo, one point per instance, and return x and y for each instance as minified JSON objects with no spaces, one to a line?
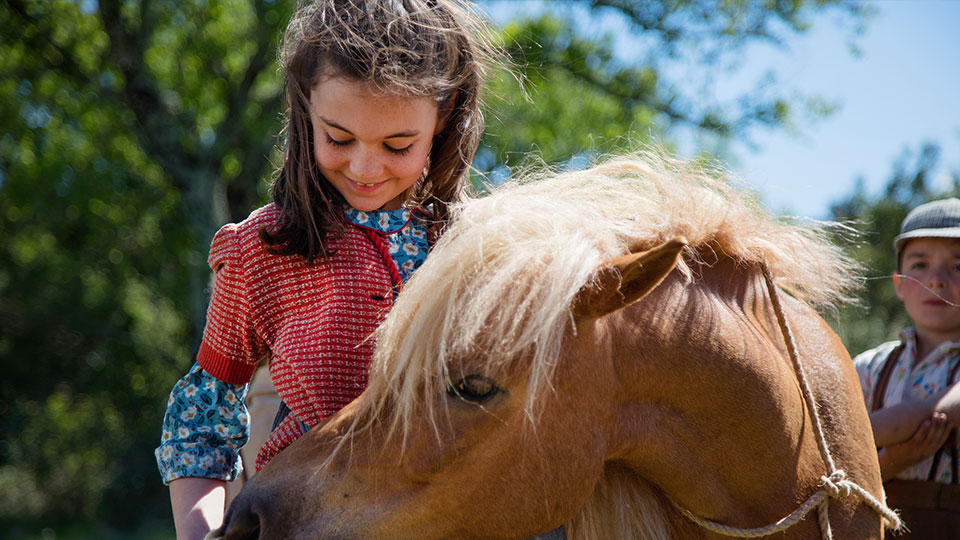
{"x":231,"y":348}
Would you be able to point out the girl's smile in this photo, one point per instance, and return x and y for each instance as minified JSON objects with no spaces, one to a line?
{"x":372,"y":147}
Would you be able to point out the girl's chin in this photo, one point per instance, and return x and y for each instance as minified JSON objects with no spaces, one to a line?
{"x":393,"y":204}
{"x":370,"y":204}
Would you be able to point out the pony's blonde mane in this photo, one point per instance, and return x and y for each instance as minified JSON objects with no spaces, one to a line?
{"x":498,"y":286}
{"x":500,"y":281}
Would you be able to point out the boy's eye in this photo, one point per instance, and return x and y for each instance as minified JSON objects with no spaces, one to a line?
{"x":918,"y":266}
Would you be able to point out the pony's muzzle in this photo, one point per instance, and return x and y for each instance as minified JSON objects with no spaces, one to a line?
{"x":242,"y":522}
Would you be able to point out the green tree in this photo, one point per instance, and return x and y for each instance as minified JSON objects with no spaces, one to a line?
{"x":877,"y":217}
{"x":129,"y":131}
{"x":581,"y":94}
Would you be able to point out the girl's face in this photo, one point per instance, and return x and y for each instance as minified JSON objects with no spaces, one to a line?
{"x":371,"y":147}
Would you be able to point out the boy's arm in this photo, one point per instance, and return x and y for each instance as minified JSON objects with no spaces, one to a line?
{"x":899,"y":422}
{"x":929,"y":437}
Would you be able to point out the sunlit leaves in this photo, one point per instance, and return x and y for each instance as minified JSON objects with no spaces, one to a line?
{"x":571,"y":97}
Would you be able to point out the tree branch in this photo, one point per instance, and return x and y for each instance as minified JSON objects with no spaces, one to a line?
{"x":157,"y":127}
{"x":239,"y":95}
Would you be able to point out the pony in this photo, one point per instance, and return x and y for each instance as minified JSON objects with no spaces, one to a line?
{"x":597,"y":349}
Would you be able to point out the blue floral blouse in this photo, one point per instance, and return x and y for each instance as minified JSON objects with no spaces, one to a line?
{"x":206,"y":421}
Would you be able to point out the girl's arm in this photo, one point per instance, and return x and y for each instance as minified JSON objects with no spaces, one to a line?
{"x":197,"y":506}
{"x":204,"y":426}
{"x":896,"y":424}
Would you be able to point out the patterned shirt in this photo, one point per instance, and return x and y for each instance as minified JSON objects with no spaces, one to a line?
{"x":910,"y":382}
{"x":206,"y":421}
{"x":406,"y":237}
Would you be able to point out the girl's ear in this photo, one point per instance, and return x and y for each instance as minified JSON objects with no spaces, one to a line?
{"x":445,"y":111}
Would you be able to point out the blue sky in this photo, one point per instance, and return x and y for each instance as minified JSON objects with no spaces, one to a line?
{"x":901,"y":91}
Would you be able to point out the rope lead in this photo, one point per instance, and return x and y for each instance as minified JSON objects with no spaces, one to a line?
{"x":833,"y":485}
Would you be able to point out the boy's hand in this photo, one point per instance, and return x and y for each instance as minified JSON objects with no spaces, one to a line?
{"x":898,"y":423}
{"x":949,"y":403}
{"x":928,"y":438}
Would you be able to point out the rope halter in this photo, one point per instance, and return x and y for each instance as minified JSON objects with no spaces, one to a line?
{"x":833,"y":485}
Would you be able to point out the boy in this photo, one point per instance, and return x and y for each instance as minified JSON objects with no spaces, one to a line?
{"x":909,"y":385}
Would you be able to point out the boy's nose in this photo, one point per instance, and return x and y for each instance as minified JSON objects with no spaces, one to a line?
{"x":937,"y":279}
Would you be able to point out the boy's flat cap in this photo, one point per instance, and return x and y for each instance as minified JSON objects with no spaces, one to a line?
{"x":935,"y":219}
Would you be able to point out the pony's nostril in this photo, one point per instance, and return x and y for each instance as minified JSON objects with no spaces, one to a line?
{"x":240,"y":525}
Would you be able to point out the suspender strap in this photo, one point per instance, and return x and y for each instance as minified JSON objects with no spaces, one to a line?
{"x":954,"y":464}
{"x":885,"y":373}
{"x":951,"y":446}
{"x":951,"y":443}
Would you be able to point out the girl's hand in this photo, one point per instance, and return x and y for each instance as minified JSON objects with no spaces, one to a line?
{"x":928,"y":438}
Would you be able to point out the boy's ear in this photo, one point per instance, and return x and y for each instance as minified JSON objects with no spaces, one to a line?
{"x":444,"y":111}
{"x":898,"y":286}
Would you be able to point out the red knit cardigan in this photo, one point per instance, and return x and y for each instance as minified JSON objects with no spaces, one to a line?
{"x":314,"y":321}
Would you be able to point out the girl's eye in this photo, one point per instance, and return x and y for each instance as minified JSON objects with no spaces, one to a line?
{"x":334,"y":142}
{"x":918,"y":266}
{"x":398,"y":151}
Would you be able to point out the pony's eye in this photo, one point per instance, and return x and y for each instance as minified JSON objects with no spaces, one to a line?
{"x":473,"y":388}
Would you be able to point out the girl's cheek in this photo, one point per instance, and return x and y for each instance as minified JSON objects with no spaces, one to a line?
{"x":421,"y":162}
{"x":329,"y":156}
{"x":410,"y":165}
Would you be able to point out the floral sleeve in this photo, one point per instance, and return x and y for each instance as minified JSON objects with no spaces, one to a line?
{"x":205,"y":425}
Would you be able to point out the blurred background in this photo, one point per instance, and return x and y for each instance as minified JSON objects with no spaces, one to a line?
{"x":130,"y":131}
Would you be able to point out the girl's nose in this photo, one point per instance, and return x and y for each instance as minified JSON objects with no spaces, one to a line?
{"x":366,"y":166}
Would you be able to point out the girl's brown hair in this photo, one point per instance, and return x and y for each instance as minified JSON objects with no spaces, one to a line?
{"x":434,"y":48}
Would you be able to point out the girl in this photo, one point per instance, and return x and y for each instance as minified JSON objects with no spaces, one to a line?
{"x":382,"y":121}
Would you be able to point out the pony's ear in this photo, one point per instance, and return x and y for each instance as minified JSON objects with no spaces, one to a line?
{"x":623,"y":280}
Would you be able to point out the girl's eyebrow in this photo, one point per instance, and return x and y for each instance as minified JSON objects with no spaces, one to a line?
{"x":400,"y":135}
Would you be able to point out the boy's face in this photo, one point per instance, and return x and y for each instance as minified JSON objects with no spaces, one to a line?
{"x":932,"y":282}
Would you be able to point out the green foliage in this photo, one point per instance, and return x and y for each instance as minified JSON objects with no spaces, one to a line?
{"x":129,"y":131}
{"x":561,"y":107}
{"x":581,"y":93}
{"x":122,"y":128}
{"x":878,"y":218}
